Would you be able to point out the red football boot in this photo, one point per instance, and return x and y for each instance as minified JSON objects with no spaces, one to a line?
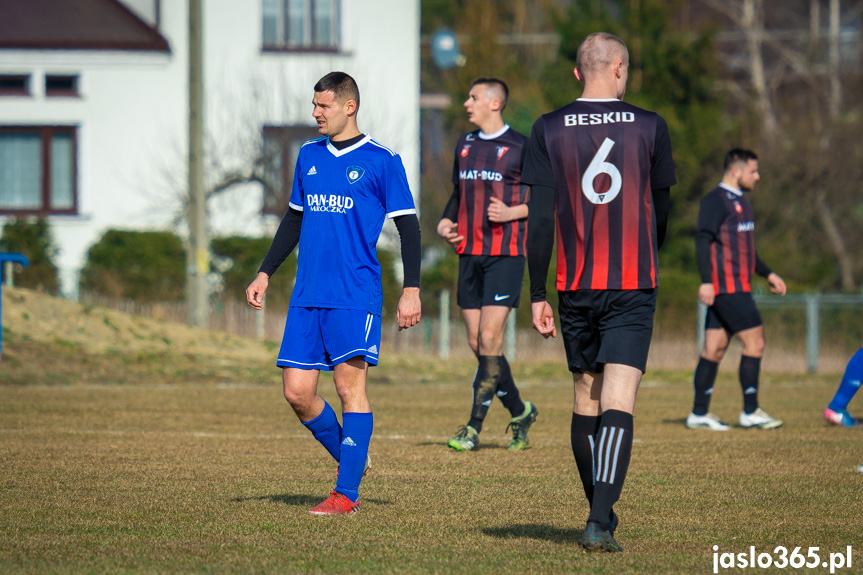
{"x":335,"y":504}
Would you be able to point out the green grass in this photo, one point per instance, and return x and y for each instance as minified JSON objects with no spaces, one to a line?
{"x":143,"y":472}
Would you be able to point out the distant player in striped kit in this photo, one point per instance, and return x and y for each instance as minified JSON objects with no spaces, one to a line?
{"x":486,"y":221}
{"x":727,"y":262}
{"x":603,"y":170}
{"x":345,"y":185}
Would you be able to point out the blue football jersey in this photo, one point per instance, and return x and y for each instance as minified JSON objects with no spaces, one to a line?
{"x":344,"y":196}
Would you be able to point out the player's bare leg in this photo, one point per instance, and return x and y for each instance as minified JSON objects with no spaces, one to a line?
{"x":301,"y":390}
{"x":350,"y":378}
{"x":753,"y":341}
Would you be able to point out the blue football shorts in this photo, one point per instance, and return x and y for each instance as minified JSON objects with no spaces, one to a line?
{"x":321,"y":338}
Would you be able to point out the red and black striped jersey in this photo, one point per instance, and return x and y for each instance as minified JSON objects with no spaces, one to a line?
{"x":603,"y":158}
{"x":486,"y":166}
{"x":729,"y":219}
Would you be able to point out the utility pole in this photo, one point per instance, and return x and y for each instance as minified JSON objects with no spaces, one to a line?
{"x":198,"y":262}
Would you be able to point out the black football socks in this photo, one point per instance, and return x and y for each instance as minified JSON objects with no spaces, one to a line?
{"x":507,"y":392}
{"x":582,"y":433}
{"x":750,"y":368}
{"x":613,"y":451}
{"x":705,"y":377}
{"x":484,"y":388}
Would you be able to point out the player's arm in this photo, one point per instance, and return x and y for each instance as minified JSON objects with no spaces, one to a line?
{"x":777,"y":284}
{"x":662,"y":208}
{"x":286,"y":239}
{"x":710,"y":216}
{"x":662,"y":177}
{"x":537,"y":173}
{"x":499,"y":212}
{"x":447,"y":228}
{"x":540,"y":244}
{"x":409,"y":309}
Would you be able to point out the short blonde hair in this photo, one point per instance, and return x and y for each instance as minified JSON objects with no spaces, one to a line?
{"x":600,"y":50}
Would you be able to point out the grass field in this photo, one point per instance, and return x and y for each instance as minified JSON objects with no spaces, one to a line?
{"x":189,"y":465}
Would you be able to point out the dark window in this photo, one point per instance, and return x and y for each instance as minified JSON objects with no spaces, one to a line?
{"x":14,"y":85}
{"x":61,"y":85}
{"x":301,"y":25}
{"x":281,"y":147}
{"x":38,"y":170}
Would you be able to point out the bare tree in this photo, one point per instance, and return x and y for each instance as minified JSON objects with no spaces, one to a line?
{"x":792,"y":71}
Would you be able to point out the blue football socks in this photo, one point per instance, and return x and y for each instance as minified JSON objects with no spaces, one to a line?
{"x":354,"y":449}
{"x":327,"y":430}
{"x":850,"y":382}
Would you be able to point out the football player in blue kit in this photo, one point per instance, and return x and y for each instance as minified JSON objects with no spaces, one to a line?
{"x":345,"y":184}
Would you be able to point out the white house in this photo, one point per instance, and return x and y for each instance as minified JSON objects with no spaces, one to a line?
{"x":94,"y":100}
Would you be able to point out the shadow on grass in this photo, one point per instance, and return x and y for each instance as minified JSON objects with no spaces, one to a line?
{"x":541,"y":532}
{"x":675,"y":421}
{"x":486,"y":446}
{"x":298,"y":500}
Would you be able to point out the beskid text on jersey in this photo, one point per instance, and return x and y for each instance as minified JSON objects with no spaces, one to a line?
{"x":595,"y":119}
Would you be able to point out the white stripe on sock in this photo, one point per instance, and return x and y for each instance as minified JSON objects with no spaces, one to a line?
{"x":616,"y":452}
{"x":605,"y":463}
{"x":599,"y":452}
{"x":590,"y":438}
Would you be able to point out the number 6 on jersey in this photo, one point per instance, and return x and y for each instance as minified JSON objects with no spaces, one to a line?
{"x":597,"y":166}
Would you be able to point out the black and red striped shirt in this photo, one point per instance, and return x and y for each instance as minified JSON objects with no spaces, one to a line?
{"x":727,"y":219}
{"x":603,"y":158}
{"x":486,"y":166}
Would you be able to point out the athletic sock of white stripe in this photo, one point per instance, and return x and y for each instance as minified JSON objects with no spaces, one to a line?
{"x":612,"y":451}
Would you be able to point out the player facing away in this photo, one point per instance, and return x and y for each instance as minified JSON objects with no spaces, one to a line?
{"x":485,"y":221}
{"x":603,"y":170}
{"x":345,"y":184}
{"x":837,"y":412}
{"x":727,"y":263}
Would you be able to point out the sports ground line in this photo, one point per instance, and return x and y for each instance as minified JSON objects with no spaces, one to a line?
{"x":247,"y":436}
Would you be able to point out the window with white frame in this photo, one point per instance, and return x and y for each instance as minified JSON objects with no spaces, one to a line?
{"x":38,"y":170}
{"x":281,"y":148}
{"x":301,"y":25}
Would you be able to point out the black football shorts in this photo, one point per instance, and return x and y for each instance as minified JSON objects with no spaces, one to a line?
{"x":733,"y":312}
{"x":606,"y":326}
{"x":489,"y":280}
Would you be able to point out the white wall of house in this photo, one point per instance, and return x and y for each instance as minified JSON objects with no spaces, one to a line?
{"x":131,"y":113}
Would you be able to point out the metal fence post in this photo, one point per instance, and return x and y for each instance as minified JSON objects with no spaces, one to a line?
{"x":509,"y":336}
{"x":443,"y":324}
{"x":700,"y":318}
{"x":812,"y":333}
{"x":260,"y":324}
{"x":8,"y":272}
{"x":428,"y":333}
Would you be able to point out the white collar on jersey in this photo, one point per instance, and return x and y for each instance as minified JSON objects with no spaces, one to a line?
{"x":498,"y":134}
{"x":731,"y":189}
{"x":598,"y":99}
{"x":337,"y":152}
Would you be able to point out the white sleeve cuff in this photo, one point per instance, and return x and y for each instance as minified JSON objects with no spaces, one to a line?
{"x":401,"y":213}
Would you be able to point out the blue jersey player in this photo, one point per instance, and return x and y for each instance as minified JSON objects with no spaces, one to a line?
{"x":345,"y":184}
{"x":837,"y":412}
